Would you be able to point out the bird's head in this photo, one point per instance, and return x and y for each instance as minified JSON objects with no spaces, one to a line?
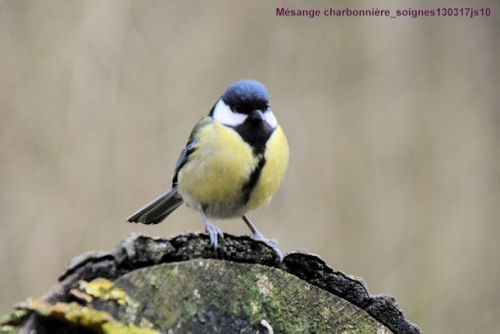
{"x":245,"y":102}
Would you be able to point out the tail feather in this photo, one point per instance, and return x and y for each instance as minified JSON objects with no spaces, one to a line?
{"x":158,"y":209}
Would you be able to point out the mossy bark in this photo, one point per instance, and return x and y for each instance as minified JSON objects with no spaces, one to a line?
{"x":213,"y":296}
{"x":181,"y":285}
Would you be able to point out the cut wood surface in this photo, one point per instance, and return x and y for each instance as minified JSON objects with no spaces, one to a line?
{"x":182,"y":285}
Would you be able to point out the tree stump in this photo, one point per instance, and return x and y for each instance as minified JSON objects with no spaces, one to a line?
{"x":181,"y":285}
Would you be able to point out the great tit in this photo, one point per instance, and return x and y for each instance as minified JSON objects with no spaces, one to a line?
{"x":234,"y":161}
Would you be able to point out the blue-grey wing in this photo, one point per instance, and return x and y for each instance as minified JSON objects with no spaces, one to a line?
{"x":183,"y":157}
{"x":190,"y":147}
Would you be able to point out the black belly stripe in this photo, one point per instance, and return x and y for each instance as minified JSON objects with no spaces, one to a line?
{"x":255,"y":132}
{"x":249,"y":186}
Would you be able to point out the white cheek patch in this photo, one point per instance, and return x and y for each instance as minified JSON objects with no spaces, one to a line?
{"x":270,"y":119}
{"x":223,"y":114}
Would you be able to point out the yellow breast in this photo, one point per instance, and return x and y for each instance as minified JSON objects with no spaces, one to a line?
{"x":222,"y":164}
{"x":218,"y":167}
{"x":277,"y":155}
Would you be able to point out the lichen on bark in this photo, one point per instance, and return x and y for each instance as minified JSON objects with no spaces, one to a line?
{"x":182,"y":284}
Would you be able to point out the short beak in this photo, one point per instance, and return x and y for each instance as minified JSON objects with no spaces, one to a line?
{"x":257,"y":114}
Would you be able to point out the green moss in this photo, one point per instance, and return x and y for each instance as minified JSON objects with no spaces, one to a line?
{"x":13,"y":318}
{"x":8,"y":329}
{"x":264,"y":300}
{"x":9,"y":323}
{"x":188,"y":294}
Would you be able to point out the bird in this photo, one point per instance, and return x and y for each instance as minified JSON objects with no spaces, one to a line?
{"x":234,"y":161}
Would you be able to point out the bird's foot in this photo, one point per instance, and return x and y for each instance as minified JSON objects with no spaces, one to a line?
{"x":213,"y":232}
{"x":257,"y":235}
{"x":270,"y":242}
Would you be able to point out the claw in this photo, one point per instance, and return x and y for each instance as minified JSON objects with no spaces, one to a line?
{"x":259,"y":236}
{"x":213,"y":231}
{"x":271,"y":243}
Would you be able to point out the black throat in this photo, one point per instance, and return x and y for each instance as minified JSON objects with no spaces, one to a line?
{"x":256,"y":132}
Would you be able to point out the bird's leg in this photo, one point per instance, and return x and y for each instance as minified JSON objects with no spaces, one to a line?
{"x":259,"y":236}
{"x":213,"y":231}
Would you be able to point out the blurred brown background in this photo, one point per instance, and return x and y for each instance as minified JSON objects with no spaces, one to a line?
{"x":393,"y":126}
